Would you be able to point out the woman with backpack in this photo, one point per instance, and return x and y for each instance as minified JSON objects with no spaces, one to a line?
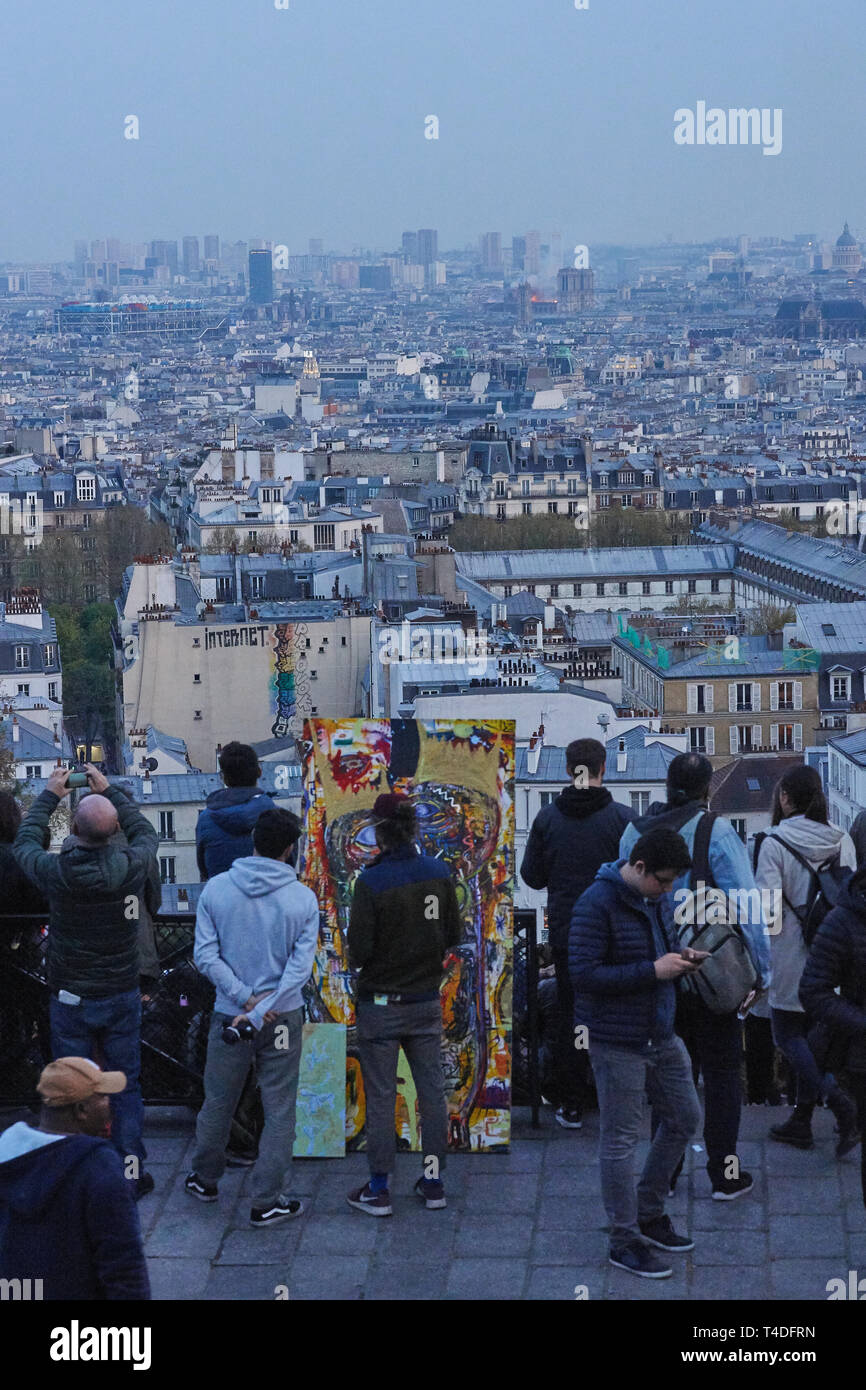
{"x":837,"y":961}
{"x":787,"y":860}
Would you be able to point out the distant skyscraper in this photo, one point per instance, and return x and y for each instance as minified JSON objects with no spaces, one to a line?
{"x":165,"y":253}
{"x":80,"y":257}
{"x":317,"y":246}
{"x":191,"y":264}
{"x":261,"y":277}
{"x":211,"y":248}
{"x":428,"y":246}
{"x":532,"y":261}
{"x":518,"y":252}
{"x":410,"y":246}
{"x":491,"y":251}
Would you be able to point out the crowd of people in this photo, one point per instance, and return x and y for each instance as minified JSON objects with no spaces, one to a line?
{"x":651,"y":1014}
{"x":644,"y":1009}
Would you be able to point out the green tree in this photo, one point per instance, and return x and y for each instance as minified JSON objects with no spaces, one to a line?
{"x":767,"y":617}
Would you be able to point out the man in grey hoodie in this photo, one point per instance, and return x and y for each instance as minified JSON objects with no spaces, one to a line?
{"x":255,"y":939}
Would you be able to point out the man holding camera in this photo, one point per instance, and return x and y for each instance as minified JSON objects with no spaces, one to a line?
{"x":255,"y":939}
{"x":94,"y":888}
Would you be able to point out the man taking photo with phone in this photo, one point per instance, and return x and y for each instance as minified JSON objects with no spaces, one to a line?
{"x":94,"y":889}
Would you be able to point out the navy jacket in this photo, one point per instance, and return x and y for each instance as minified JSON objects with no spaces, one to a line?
{"x":612,"y":950}
{"x":68,"y":1217}
{"x":569,"y":841}
{"x":224,"y":831}
{"x":838,"y":957}
{"x":405,"y":918}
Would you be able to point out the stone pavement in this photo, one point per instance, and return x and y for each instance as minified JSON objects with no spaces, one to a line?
{"x":523,"y":1225}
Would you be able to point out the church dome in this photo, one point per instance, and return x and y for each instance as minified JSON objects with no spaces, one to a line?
{"x":846,"y":239}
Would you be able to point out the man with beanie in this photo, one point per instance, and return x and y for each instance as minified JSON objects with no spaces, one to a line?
{"x":255,"y":938}
{"x":95,"y":889}
{"x":569,"y":841}
{"x":68,"y":1218}
{"x":404,"y":922}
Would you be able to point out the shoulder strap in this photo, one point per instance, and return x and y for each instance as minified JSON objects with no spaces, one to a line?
{"x":756,"y":848}
{"x":701,"y":851}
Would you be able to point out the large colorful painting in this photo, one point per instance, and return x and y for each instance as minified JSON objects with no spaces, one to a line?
{"x":321,"y":1109}
{"x":460,"y":775}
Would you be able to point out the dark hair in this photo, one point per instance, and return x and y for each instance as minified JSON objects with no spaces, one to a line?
{"x":274,"y":831}
{"x":689,"y":777}
{"x":396,"y":824}
{"x":661,"y":849}
{"x":10,"y":817}
{"x":803,"y":787}
{"x":585,"y":752}
{"x":239,"y":765}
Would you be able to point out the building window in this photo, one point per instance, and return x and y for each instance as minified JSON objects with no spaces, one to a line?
{"x":669,"y":586}
{"x":52,"y":690}
{"x":714,"y":586}
{"x":599,"y":589}
{"x":90,"y":593}
{"x":223,"y":588}
{"x":840,"y":687}
{"x":50,"y":654}
{"x":23,"y":689}
{"x":257,"y":586}
{"x":554,"y":591}
{"x":578,"y":590}
{"x":545,"y":798}
{"x":552,"y":508}
{"x":22,"y":658}
{"x":86,"y":489}
{"x":342,"y":641}
{"x":745,"y":742}
{"x":639,"y":802}
{"x":166,"y":825}
{"x":623,"y":588}
{"x":166,"y":870}
{"x":526,"y":508}
{"x":693,"y":586}
{"x":500,"y":512}
{"x":785,"y":737}
{"x":739,"y":824}
{"x":646,"y":587}
{"x":59,"y":499}
{"x":744,"y":696}
{"x":33,"y":770}
{"x":530,"y":588}
{"x":507,"y":590}
{"x":625,"y":500}
{"x":697,"y":739}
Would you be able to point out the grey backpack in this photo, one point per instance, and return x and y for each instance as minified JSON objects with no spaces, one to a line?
{"x":728,"y":974}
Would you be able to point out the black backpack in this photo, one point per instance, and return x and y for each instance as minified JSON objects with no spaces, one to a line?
{"x":825,"y":886}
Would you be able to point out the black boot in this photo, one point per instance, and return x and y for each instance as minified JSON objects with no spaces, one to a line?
{"x":845,"y":1111}
{"x":797,"y":1130}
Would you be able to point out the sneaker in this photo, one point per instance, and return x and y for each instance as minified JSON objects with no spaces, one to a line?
{"x":728,"y":1189}
{"x":283,"y":1209}
{"x":639,"y":1259}
{"x":240,"y":1158}
{"x":375,"y":1203}
{"x":661,"y":1233}
{"x":146,"y":1184}
{"x":569,"y":1119}
{"x":796,"y":1131}
{"x":205,"y":1191}
{"x":432,"y":1193}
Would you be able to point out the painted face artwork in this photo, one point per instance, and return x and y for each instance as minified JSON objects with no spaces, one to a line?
{"x":459,"y":776}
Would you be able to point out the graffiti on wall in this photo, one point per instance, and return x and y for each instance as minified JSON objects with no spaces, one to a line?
{"x":290,"y":681}
{"x":460,"y":776}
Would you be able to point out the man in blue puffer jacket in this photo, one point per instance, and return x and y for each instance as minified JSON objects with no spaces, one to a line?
{"x":623,"y":966}
{"x":224,"y":831}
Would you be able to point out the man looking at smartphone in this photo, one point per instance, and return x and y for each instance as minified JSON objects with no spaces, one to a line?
{"x":624,"y":964}
{"x":94,"y":889}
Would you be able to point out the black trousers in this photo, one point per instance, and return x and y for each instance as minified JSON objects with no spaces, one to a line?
{"x":856,"y":1084}
{"x":571,"y":1063}
{"x":715,"y":1045}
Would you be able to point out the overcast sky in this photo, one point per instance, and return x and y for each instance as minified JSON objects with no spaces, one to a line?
{"x":287,"y":124}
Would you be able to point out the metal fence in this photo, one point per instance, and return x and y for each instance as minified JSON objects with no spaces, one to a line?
{"x":176,"y":1010}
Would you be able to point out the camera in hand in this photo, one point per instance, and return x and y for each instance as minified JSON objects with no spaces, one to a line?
{"x":244,"y":1031}
{"x":77,"y":778}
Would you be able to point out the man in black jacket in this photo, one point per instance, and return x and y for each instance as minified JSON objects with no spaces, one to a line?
{"x":569,"y":841}
{"x":94,"y":889}
{"x":837,"y":960}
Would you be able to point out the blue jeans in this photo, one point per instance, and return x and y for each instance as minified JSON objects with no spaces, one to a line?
{"x":113,"y":1027}
{"x":789,"y":1035}
{"x":623,"y":1080}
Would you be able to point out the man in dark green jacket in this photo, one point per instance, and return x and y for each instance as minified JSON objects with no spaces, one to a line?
{"x":95,"y":889}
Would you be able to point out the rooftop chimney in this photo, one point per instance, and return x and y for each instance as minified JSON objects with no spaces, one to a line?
{"x":534,"y":753}
{"x":621,"y":757}
{"x":16,"y":731}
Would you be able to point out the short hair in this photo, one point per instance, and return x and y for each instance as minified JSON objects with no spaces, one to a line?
{"x":396,"y":824}
{"x":689,"y":777}
{"x":585,"y":752}
{"x":661,"y":849}
{"x":275,"y":831}
{"x":10,"y":817}
{"x":239,"y":765}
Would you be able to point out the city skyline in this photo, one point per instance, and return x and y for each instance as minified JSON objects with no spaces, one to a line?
{"x":328,"y":121}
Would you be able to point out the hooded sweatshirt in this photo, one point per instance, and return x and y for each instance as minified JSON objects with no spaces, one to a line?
{"x":570,"y":839}
{"x":728,"y":863}
{"x":224,"y":831}
{"x":256,"y":931}
{"x":68,"y":1217}
{"x":837,"y":962}
{"x":777,"y":869}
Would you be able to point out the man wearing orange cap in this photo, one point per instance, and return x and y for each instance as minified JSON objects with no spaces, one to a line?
{"x":68,"y":1218}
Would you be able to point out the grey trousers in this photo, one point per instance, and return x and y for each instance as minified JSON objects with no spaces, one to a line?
{"x":276,"y":1055}
{"x":624,"y":1080}
{"x":382,"y":1030}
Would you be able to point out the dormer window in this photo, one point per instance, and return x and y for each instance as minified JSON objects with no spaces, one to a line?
{"x":85,"y":489}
